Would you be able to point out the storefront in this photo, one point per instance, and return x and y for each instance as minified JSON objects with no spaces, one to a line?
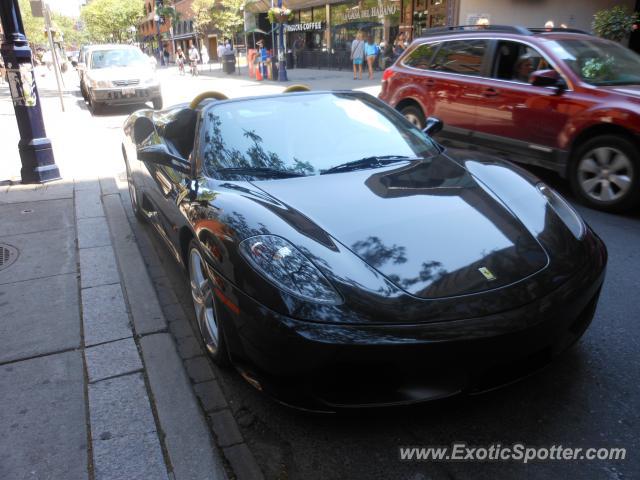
{"x":320,"y":36}
{"x":321,"y":33}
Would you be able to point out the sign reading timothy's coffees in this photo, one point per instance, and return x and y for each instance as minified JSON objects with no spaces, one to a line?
{"x":304,"y":27}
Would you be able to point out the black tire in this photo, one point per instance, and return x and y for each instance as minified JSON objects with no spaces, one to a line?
{"x":134,"y":197}
{"x":217,"y":349}
{"x":414,"y":115}
{"x":96,"y":107}
{"x":83,"y":91}
{"x":605,"y":173}
{"x":157,"y":103}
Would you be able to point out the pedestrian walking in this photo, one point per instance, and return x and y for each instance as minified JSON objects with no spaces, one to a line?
{"x":371,"y":51}
{"x":204,"y":55}
{"x":357,"y":55}
{"x":220,"y":52}
{"x":165,"y":55}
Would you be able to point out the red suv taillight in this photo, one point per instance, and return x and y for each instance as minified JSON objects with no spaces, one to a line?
{"x":387,"y":74}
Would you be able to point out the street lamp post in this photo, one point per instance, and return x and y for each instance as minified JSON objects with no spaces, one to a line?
{"x":282,"y":72}
{"x":157,"y":19}
{"x":36,"y":154}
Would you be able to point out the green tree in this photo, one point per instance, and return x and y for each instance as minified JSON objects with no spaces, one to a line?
{"x":615,"y":23}
{"x":33,"y":26}
{"x":202,"y":19}
{"x":227,"y":17}
{"x":73,"y":37}
{"x":109,"y":20}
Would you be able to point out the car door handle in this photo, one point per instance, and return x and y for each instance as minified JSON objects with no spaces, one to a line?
{"x":490,"y":92}
{"x":430,"y":82}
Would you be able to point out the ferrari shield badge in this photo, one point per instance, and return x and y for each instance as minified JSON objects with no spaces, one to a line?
{"x":488,"y":274}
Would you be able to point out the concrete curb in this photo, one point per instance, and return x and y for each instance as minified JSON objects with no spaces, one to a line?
{"x":183,"y":426}
{"x":198,"y":365}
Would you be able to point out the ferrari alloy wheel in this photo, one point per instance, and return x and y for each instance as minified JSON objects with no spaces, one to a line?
{"x":605,"y":174}
{"x":204,"y":306}
{"x":414,"y":115}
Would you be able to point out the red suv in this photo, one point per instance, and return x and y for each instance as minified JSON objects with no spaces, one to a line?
{"x":560,"y":99}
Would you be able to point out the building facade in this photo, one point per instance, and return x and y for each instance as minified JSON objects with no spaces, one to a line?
{"x":321,"y":32}
{"x":148,"y":31}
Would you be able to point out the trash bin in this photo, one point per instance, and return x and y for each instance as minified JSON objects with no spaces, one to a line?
{"x":229,"y":64}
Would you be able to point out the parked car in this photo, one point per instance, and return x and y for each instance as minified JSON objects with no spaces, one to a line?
{"x":556,"y":98}
{"x":117,"y":75}
{"x":358,"y":263}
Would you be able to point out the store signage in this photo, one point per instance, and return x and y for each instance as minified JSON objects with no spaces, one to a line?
{"x":304,"y":27}
{"x":379,"y":11}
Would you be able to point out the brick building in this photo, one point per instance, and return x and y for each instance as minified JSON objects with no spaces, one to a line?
{"x":148,"y":30}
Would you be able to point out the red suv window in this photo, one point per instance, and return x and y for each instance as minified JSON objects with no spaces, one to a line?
{"x":421,"y":56}
{"x":460,"y":56}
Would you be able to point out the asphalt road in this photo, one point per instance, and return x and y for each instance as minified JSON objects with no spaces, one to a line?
{"x":587,"y":398}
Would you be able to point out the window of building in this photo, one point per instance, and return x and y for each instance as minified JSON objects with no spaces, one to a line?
{"x":421,"y":56}
{"x":306,"y":16}
{"x":319,"y":14}
{"x":460,"y":56}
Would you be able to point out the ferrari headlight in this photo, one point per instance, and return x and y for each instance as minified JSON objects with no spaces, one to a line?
{"x":287,"y":268}
{"x":569,"y":216}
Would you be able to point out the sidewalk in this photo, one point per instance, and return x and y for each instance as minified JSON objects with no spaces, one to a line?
{"x":316,"y":79}
{"x":92,"y":383}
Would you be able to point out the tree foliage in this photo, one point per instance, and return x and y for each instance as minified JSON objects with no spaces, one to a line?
{"x":33,"y":26}
{"x":66,"y":26}
{"x":109,"y":20}
{"x":227,"y":17}
{"x":202,"y":19}
{"x":614,"y":24}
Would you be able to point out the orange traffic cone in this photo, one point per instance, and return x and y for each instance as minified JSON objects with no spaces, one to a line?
{"x":258,"y":72}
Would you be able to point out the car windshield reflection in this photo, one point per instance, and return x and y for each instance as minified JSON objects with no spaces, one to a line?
{"x":306,"y":134}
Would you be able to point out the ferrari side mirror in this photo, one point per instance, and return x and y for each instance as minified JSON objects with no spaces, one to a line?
{"x":159,"y":153}
{"x":433,"y":126}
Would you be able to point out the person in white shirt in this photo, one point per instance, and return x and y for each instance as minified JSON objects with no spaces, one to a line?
{"x":194,"y":57}
{"x":204,"y":54}
{"x":220,"y":52}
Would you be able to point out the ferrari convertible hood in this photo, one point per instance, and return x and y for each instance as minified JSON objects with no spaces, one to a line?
{"x":428,"y":226}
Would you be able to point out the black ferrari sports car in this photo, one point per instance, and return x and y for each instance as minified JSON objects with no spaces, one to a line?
{"x":339,"y":257}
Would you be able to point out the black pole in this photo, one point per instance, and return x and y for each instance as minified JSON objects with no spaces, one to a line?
{"x":36,"y":154}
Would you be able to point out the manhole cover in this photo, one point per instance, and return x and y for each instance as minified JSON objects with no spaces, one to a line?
{"x":8,"y":255}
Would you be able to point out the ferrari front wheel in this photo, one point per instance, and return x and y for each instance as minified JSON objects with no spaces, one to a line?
{"x":202,"y":295}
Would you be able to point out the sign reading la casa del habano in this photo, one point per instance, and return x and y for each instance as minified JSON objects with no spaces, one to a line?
{"x":378,"y":11}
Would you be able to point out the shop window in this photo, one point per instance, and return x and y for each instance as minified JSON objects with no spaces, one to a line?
{"x":319,"y":14}
{"x":306,"y":16}
{"x":421,"y":56}
{"x":460,"y":56}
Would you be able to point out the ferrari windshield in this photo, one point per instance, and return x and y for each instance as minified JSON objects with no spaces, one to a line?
{"x":117,"y":57}
{"x":308,"y":134}
{"x":599,"y":62}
